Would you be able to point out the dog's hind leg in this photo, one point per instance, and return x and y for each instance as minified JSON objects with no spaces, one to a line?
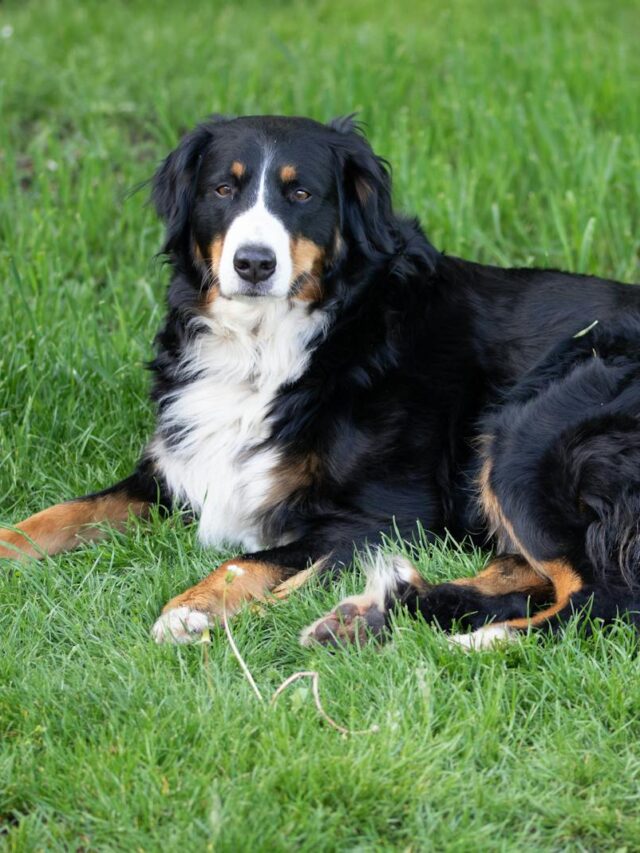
{"x":67,"y":525}
{"x":508,"y":587}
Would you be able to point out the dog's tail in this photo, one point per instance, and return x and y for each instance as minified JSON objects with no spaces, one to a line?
{"x":67,"y":525}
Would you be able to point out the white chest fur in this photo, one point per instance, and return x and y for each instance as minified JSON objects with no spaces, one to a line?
{"x":212,"y":460}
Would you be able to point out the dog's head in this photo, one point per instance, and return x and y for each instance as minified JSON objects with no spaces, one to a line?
{"x":264,"y":206}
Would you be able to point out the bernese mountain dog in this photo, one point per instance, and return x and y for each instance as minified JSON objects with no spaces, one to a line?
{"x":325,"y":378}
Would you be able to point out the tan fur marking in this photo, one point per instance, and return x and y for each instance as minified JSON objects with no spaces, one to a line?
{"x":284,"y":589}
{"x":562,"y":576}
{"x":308,"y":259}
{"x":417,"y":581}
{"x":499,"y":526}
{"x":507,"y":574}
{"x":251,"y":583}
{"x":288,"y":173}
{"x":215,"y":253}
{"x":211,"y":295}
{"x":66,"y":526}
{"x":291,"y":476}
{"x":238,"y":169}
{"x":565,"y":581}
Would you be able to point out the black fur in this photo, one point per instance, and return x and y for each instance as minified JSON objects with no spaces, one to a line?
{"x":424,"y":356}
{"x":425,"y":353}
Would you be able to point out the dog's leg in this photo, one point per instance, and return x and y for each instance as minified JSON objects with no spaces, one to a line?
{"x":220,"y":594}
{"x":273,"y":573}
{"x":507,"y":587}
{"x":573,"y":507}
{"x":564,"y":581}
{"x":607,"y":588}
{"x":67,"y":525}
{"x":362,"y":617}
{"x":559,"y":578}
{"x":507,"y":574}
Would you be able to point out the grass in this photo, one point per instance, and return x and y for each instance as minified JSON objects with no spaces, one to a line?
{"x":514,"y":133}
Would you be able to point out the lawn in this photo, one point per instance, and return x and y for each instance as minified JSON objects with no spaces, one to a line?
{"x":513,"y":129}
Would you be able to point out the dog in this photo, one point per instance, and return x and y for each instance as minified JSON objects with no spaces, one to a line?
{"x":325,"y":378}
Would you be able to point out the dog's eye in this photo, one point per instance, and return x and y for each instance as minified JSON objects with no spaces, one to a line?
{"x":300,"y":195}
{"x":224,"y":190}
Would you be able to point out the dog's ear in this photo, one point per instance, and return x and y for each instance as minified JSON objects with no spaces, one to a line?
{"x":364,"y":190}
{"x":174,"y":183}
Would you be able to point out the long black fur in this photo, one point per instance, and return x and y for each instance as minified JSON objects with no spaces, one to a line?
{"x":425,"y":353}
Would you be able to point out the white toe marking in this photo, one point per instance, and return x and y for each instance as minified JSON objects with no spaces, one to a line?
{"x":180,"y":625}
{"x":484,"y":638}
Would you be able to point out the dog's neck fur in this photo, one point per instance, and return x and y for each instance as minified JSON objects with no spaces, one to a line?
{"x":211,"y":445}
{"x":263,"y":341}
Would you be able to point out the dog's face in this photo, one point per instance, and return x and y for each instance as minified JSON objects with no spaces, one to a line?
{"x":266,"y":209}
{"x":261,"y":207}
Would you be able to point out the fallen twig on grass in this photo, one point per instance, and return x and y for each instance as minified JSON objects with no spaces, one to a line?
{"x":234,"y":649}
{"x":310,"y":673}
{"x":315,"y":687}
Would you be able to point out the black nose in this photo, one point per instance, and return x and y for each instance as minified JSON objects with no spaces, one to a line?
{"x":254,"y":263}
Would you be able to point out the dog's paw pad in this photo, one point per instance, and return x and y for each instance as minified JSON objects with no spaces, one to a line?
{"x":350,"y":622}
{"x":180,"y":625}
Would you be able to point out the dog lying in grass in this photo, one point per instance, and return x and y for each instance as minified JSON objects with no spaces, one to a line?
{"x":325,"y":377}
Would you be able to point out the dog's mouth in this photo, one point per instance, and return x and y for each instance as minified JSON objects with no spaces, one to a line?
{"x":252,"y":292}
{"x":305,"y":287}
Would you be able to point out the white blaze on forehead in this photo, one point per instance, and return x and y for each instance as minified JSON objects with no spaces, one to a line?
{"x":257,"y":226}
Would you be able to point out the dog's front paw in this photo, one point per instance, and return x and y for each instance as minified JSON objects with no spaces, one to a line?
{"x":355,"y":620}
{"x":180,"y":625}
{"x":217,"y":597}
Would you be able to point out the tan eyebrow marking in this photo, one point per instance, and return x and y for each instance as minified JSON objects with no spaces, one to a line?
{"x":288,"y":173}
{"x":238,"y":169}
